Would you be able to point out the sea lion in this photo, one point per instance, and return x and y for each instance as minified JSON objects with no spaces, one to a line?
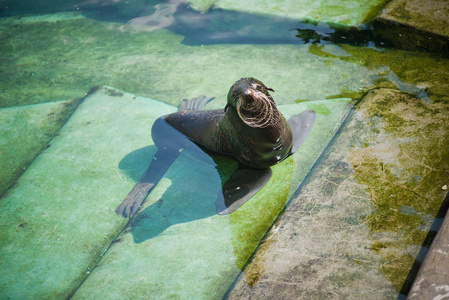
{"x":250,"y":128}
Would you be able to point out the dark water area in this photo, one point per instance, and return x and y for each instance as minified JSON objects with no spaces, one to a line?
{"x":219,"y":26}
{"x":215,"y":26}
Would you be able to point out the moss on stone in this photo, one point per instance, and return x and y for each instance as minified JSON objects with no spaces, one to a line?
{"x":339,"y":12}
{"x":403,"y":172}
{"x":251,"y":221}
{"x":347,"y":93}
{"x":319,"y":108}
{"x":26,"y":130}
{"x":416,"y":72}
{"x":48,"y":61}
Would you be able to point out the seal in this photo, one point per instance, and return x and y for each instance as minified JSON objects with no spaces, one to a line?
{"x":250,"y":128}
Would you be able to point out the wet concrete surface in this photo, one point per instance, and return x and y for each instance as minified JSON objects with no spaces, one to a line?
{"x":358,"y":226}
{"x":348,"y":233}
{"x":415,"y":25}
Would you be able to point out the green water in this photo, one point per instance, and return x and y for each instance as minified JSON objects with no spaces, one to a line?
{"x":58,"y":215}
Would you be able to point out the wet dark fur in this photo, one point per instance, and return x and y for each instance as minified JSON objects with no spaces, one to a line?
{"x":250,"y":127}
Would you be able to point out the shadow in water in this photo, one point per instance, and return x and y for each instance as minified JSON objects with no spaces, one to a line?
{"x":425,"y":247}
{"x":135,"y":163}
{"x":213,"y":26}
{"x":195,"y":176}
{"x":219,"y":26}
{"x":216,"y":26}
{"x":175,"y":206}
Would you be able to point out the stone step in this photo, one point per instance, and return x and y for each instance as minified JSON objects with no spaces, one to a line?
{"x":60,"y":233}
{"x":357,"y":223}
{"x":415,"y":25}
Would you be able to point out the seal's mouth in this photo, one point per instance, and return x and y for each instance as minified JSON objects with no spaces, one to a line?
{"x":256,"y":109}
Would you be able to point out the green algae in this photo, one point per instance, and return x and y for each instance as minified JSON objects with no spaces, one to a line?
{"x":403,"y":174}
{"x":319,"y":108}
{"x":414,"y":72}
{"x":26,"y":131}
{"x":61,"y":59}
{"x":250,"y":222}
{"x":77,"y":56}
{"x":60,"y":214}
{"x":317,"y":49}
{"x":429,"y":16}
{"x":14,"y":7}
{"x":347,"y":93}
{"x":419,"y":73}
{"x":83,"y":53}
{"x":202,"y":5}
{"x":338,"y":12}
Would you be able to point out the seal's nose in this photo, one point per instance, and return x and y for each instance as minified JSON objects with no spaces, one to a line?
{"x":244,"y":90}
{"x":248,"y":95}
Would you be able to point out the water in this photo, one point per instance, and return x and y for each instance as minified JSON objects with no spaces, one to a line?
{"x":59,"y":221}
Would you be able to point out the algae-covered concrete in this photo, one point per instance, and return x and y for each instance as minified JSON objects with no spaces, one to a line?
{"x":179,"y":247}
{"x":74,"y":53}
{"x":415,"y":25}
{"x":59,"y":217}
{"x":79,"y":53}
{"x":25,"y":131}
{"x":356,"y":225}
{"x":340,"y":12}
{"x":60,"y":56}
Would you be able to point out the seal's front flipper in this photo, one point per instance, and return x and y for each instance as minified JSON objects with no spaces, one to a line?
{"x":242,"y":185}
{"x":162,"y":160}
{"x":170,"y":143}
{"x":301,"y":125}
{"x":194,"y":104}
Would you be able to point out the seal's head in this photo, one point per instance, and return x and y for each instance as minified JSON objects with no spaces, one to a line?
{"x":252,"y":102}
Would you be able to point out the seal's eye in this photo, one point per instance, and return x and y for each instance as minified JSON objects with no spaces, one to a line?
{"x":256,"y":86}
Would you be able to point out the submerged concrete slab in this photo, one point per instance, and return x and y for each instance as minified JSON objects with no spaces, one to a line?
{"x":59,"y":220}
{"x":357,"y":223}
{"x":25,"y":131}
{"x":415,"y":25}
{"x":343,"y":13}
{"x":157,"y":64}
{"x":177,"y":247}
{"x":11,"y":7}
